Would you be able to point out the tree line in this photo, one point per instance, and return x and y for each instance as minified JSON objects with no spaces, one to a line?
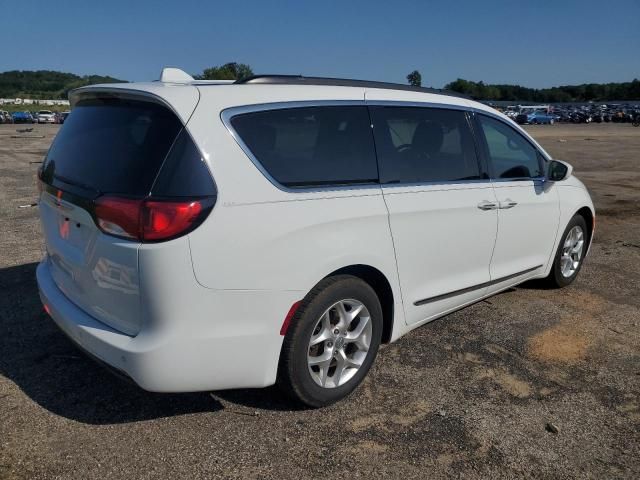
{"x":567,"y":93}
{"x":55,"y":85}
{"x":45,"y":84}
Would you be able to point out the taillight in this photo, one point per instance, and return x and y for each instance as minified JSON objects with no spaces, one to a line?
{"x":150,"y":220}
{"x":161,"y":220}
{"x":119,"y":216}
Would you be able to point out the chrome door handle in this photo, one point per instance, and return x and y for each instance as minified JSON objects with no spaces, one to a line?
{"x":508,"y":203}
{"x":485,"y":205}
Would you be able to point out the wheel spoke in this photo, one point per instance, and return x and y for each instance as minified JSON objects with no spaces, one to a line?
{"x":321,"y":359}
{"x":578,"y":247}
{"x":341,"y":365}
{"x":324,"y":370}
{"x":344,"y":318}
{"x":354,"y":312}
{"x":325,"y":331}
{"x":569,"y":240}
{"x":356,"y":334}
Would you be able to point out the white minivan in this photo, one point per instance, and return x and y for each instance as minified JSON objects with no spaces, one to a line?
{"x":212,"y":235}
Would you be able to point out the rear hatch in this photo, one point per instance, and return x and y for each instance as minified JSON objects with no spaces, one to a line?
{"x":112,"y":156}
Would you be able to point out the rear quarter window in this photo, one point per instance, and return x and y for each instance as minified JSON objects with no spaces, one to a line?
{"x":311,"y":146}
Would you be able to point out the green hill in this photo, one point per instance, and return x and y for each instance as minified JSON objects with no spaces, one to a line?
{"x":45,"y":84}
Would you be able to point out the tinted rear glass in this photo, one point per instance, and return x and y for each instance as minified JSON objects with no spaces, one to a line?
{"x":184,"y":173}
{"x":112,"y":145}
{"x":311,"y":146}
{"x":418,"y":145}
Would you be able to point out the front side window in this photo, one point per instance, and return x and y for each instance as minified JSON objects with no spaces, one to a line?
{"x":311,"y":146}
{"x":511,"y":155}
{"x":416,"y":145}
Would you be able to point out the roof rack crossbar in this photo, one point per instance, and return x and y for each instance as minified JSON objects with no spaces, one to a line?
{"x":339,"y":82}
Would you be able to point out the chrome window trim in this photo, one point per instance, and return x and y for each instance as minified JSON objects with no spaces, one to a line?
{"x":227,"y":114}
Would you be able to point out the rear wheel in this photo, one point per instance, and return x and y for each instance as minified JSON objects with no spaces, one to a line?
{"x":571,"y":250}
{"x":332,"y":341}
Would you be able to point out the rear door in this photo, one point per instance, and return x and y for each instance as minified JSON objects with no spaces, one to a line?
{"x":528,"y":213}
{"x":110,"y":145}
{"x":442,"y":207}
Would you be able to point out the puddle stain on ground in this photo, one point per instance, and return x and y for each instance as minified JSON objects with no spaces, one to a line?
{"x":559,"y":344}
{"x":569,"y":340}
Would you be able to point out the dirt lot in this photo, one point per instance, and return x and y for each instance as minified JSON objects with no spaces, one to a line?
{"x":469,"y":395}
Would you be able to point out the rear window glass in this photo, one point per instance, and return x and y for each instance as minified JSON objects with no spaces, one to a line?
{"x":111,"y":145}
{"x":310,"y":146}
{"x":184,"y":173}
{"x":417,"y":145}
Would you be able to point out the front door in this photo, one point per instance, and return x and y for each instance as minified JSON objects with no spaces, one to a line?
{"x":528,"y":212}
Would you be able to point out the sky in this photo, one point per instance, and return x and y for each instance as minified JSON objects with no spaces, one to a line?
{"x":537,"y":43}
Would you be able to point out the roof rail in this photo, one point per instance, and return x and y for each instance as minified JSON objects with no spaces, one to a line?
{"x":339,"y":82}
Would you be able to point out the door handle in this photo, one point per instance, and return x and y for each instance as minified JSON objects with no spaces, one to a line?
{"x":485,"y":205}
{"x":508,"y":203}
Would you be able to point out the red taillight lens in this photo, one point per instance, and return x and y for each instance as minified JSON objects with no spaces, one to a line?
{"x":119,"y":216}
{"x":148,"y":220}
{"x":161,"y":220}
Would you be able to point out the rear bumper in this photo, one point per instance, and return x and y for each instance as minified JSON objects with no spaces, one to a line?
{"x":234,"y":352}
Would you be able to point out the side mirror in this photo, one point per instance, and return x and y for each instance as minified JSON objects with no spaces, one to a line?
{"x":558,"y":171}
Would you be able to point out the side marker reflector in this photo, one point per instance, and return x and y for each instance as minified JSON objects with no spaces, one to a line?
{"x":289,"y":317}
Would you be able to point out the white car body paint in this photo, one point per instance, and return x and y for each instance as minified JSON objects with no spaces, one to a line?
{"x":204,"y":311}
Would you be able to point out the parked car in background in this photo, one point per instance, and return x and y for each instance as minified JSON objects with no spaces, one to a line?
{"x":5,"y":117}
{"x":46,"y":116}
{"x":319,"y":239}
{"x":23,"y":117}
{"x":541,"y":118}
{"x":63,"y":116}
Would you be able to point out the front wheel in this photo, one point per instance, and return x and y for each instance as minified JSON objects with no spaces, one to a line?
{"x":570,"y":254}
{"x":331,"y":342}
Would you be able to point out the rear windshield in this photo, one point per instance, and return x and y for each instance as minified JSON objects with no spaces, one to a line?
{"x":112,"y":145}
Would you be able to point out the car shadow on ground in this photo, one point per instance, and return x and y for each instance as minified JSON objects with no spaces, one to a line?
{"x":50,"y":370}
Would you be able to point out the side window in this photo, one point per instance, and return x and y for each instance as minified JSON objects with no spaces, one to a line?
{"x":417,"y":144}
{"x":311,"y":146}
{"x":511,"y":155}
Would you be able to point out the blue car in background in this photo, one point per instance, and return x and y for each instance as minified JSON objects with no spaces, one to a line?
{"x":23,"y":117}
{"x":541,"y":118}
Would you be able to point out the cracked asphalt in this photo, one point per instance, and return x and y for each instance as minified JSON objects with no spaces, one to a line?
{"x":476,"y":394}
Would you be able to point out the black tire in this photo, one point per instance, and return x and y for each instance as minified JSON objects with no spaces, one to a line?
{"x":556,"y":279}
{"x":294,"y":377}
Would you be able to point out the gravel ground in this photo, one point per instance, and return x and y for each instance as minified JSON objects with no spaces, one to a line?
{"x":471,"y":395}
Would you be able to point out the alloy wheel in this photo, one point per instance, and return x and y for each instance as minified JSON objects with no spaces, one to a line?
{"x":572,"y":251}
{"x":339,"y":343}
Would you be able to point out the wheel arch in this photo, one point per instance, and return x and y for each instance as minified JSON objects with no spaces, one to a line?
{"x":589,"y":217}
{"x":380,"y":284}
